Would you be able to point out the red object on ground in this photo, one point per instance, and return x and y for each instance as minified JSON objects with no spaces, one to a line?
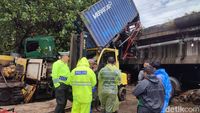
{"x":6,"y":111}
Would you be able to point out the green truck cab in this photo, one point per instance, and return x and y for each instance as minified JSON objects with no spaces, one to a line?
{"x":40,"y":47}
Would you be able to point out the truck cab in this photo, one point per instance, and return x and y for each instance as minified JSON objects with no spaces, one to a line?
{"x":102,"y":60}
{"x":40,"y":47}
{"x":80,"y":48}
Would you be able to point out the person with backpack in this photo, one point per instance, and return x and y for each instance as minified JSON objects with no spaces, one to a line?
{"x":162,"y":75}
{"x":149,"y":92}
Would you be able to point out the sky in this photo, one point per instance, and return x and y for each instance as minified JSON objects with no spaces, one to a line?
{"x":153,"y":12}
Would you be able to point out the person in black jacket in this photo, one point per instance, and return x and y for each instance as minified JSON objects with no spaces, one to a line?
{"x":150,"y":93}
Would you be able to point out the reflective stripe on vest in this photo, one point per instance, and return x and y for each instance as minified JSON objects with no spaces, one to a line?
{"x":74,"y":83}
{"x":61,"y":78}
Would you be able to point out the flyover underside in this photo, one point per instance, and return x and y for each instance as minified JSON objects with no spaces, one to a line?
{"x":177,"y":46}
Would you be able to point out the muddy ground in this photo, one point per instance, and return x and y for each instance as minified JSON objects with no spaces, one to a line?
{"x":128,"y":106}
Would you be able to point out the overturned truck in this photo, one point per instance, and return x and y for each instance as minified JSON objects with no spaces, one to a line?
{"x":10,"y":81}
{"x":28,"y":79}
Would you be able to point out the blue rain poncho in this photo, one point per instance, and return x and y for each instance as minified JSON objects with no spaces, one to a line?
{"x":163,"y":76}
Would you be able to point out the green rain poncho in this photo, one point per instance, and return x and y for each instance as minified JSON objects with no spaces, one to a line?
{"x":109,"y":78}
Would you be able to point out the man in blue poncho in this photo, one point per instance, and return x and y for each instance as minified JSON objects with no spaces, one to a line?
{"x":163,"y":76}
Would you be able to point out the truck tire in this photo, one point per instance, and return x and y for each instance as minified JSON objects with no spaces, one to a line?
{"x":5,"y":97}
{"x":176,"y":86}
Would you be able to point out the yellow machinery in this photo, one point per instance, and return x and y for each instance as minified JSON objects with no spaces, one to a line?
{"x":79,"y":49}
{"x":10,"y":80}
{"x":12,"y":67}
{"x":101,"y":60}
{"x":4,"y":59}
{"x":112,"y":52}
{"x":13,"y":87}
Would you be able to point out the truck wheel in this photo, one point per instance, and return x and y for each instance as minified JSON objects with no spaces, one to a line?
{"x":5,"y":97}
{"x":122,"y":93}
{"x":176,"y":86}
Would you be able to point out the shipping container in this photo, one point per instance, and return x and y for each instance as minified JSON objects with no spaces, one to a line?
{"x":107,"y":18}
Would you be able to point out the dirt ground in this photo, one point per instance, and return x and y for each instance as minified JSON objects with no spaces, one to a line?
{"x":128,"y":106}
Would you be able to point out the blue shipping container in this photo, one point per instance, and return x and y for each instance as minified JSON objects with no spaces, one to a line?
{"x":107,"y":18}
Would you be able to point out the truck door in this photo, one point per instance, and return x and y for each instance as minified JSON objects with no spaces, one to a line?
{"x":105,"y":53}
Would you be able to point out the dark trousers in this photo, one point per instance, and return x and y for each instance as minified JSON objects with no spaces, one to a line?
{"x":62,"y":94}
{"x":141,"y":109}
{"x":104,"y":111}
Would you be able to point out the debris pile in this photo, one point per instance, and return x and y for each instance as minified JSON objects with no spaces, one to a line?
{"x":188,"y":96}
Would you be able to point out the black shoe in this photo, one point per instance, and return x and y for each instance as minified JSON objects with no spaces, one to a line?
{"x":103,"y":111}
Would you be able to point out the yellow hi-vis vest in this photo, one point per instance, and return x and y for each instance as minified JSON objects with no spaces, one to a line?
{"x":82,"y":79}
{"x":60,"y":73}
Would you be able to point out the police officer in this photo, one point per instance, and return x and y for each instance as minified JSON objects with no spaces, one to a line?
{"x":82,"y":79}
{"x":108,"y":80}
{"x":60,"y":73}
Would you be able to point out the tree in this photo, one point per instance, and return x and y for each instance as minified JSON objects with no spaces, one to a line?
{"x":20,"y":19}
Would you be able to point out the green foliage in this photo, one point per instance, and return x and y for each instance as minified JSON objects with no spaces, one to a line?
{"x":22,"y":18}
